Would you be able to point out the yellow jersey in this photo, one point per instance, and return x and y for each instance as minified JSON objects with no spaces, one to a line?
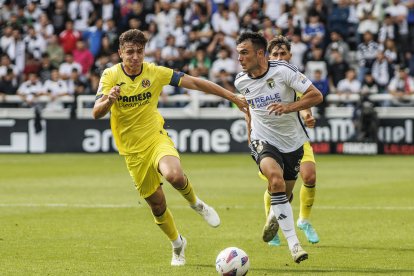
{"x":135,"y":119}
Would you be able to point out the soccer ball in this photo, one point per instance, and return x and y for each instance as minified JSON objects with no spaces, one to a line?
{"x":232,"y":261}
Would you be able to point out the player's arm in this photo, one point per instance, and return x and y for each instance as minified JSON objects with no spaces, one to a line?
{"x":311,"y":97}
{"x":308,"y":118}
{"x":209,"y":87}
{"x":104,"y":103}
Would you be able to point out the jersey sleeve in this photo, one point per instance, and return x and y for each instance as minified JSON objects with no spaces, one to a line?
{"x":296,"y":80}
{"x":105,"y":83}
{"x":164,"y":75}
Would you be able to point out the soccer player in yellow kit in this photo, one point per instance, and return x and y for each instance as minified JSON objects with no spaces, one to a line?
{"x":279,"y":49}
{"x":130,"y":91}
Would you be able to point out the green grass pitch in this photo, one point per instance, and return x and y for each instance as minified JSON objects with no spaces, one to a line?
{"x":78,"y":214}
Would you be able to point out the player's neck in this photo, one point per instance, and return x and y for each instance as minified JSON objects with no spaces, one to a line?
{"x":132,"y":71}
{"x":260,"y":70}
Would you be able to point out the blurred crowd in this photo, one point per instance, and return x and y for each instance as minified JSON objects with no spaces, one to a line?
{"x":57,"y":47}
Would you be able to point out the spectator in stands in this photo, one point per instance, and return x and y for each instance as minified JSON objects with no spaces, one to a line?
{"x":291,"y":13}
{"x":369,"y":86}
{"x":390,"y":51}
{"x":7,"y":87}
{"x":83,"y":56}
{"x":66,"y":68}
{"x":46,"y":68}
{"x":200,"y":64}
{"x":68,"y":37}
{"x":170,"y":53}
{"x":220,"y":40}
{"x":223,"y":62}
{"x":338,"y":44}
{"x":387,"y":29}
{"x":6,"y":65}
{"x":368,"y":13}
{"x":59,"y":16}
{"x":298,"y":50}
{"x":401,"y":87}
{"x":165,"y":18}
{"x":382,"y":71}
{"x":274,"y":9}
{"x":6,"y":38}
{"x":366,"y":54}
{"x":337,"y":67}
{"x":17,"y":50}
{"x":43,"y":27}
{"x":81,"y":12}
{"x":316,"y":62}
{"x":30,"y":90}
{"x":202,"y":27}
{"x":55,"y":51}
{"x":349,"y":85}
{"x":35,"y":43}
{"x":246,"y":25}
{"x":32,"y":12}
{"x":32,"y":65}
{"x":226,"y":21}
{"x":155,"y":41}
{"x":75,"y":79}
{"x":55,"y":88}
{"x":323,"y":85}
{"x":321,"y":9}
{"x":338,"y":18}
{"x":256,"y":12}
{"x":313,"y":28}
{"x":111,"y":32}
{"x":269,"y":30}
{"x":93,"y":36}
{"x":180,"y":32}
{"x":291,"y":28}
{"x":399,"y":13}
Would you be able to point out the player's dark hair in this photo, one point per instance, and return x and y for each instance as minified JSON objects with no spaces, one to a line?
{"x":133,"y":36}
{"x":279,"y":41}
{"x":258,"y":40}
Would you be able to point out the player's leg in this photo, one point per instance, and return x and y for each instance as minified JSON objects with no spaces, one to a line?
{"x":307,"y":193}
{"x":281,"y":206}
{"x":164,"y":219}
{"x":147,"y":181}
{"x":169,"y":165}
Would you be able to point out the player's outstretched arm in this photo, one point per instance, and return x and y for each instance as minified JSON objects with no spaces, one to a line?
{"x":311,"y":97}
{"x":104,"y":103}
{"x":209,"y":87}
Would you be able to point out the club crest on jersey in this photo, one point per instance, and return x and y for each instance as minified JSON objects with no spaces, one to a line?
{"x":145,"y":83}
{"x":270,"y":83}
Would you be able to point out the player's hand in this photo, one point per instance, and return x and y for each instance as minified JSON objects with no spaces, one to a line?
{"x":114,"y":94}
{"x":278,"y":108}
{"x":241,"y":103}
{"x":309,"y":120}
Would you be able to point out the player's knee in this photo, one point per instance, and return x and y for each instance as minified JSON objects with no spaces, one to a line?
{"x":276,"y":183}
{"x":158,"y":209}
{"x":309,"y":179}
{"x":175,"y":177}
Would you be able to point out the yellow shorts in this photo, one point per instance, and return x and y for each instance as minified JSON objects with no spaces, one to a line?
{"x":308,"y":153}
{"x":307,"y":157}
{"x":143,"y":167}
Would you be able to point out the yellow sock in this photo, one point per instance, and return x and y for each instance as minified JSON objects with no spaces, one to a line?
{"x":167,"y":225}
{"x":307,"y":197}
{"x":266,"y":199}
{"x":188,"y":192}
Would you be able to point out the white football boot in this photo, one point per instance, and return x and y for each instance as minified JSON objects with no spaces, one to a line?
{"x":208,"y":213}
{"x":178,"y":254}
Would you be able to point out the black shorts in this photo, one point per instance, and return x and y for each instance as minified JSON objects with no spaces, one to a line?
{"x":288,"y":161}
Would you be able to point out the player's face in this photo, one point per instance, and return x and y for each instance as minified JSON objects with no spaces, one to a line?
{"x":248,"y":56}
{"x":280,"y":53}
{"x":132,"y":56}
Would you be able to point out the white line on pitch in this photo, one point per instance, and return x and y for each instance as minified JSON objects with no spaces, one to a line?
{"x":119,"y":206}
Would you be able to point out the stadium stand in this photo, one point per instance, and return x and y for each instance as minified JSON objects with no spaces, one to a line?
{"x":79,"y":38}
